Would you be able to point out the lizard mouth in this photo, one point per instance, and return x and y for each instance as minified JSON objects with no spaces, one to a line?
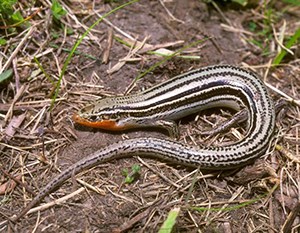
{"x":101,"y":124}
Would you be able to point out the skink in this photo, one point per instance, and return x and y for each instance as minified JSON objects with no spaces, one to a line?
{"x":214,"y":86}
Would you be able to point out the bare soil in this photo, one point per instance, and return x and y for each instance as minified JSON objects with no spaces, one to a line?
{"x":256,"y":198}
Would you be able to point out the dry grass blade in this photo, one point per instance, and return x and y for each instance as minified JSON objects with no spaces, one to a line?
{"x":123,"y":61}
{"x":29,"y":33}
{"x":56,"y":202}
{"x":287,"y":226}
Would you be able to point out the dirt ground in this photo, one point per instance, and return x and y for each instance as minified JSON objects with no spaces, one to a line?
{"x":37,"y":143}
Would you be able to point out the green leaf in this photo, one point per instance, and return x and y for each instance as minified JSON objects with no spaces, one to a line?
{"x":292,"y":2}
{"x":6,"y":6}
{"x":57,"y":10}
{"x":135,"y":168}
{"x":2,"y":42}
{"x":17,"y":17}
{"x":241,"y":2}
{"x":252,"y":26}
{"x":5,"y":75}
{"x":131,"y":176}
{"x":70,"y":31}
{"x":55,"y":35}
{"x":228,"y":208}
{"x":129,"y":179}
{"x":169,"y":223}
{"x":125,"y":172}
{"x":293,"y":40}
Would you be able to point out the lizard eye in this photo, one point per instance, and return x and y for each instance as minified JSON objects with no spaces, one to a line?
{"x":93,"y":118}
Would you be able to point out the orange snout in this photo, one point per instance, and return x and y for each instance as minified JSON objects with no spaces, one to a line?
{"x":102,"y":124}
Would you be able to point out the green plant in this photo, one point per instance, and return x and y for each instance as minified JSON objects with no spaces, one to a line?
{"x":240,"y":2}
{"x":132,"y":175}
{"x":78,"y":42}
{"x":57,"y":10}
{"x":5,"y":75}
{"x":170,"y":222}
{"x":262,"y":28}
{"x":6,"y":7}
{"x":292,"y":2}
{"x":2,"y":42}
{"x":9,"y":15}
{"x":292,"y":41}
{"x":168,"y":57}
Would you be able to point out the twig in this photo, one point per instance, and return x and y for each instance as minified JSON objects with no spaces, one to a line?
{"x":287,"y":154}
{"x":129,"y":224}
{"x":290,"y":99}
{"x":17,"y":49}
{"x":115,"y":27}
{"x":16,"y":180}
{"x":55,"y":202}
{"x":16,"y":98}
{"x":169,"y":13}
{"x":158,"y":173}
{"x":122,"y":62}
{"x":280,"y":42}
{"x":108,"y":48}
{"x":286,"y":228}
